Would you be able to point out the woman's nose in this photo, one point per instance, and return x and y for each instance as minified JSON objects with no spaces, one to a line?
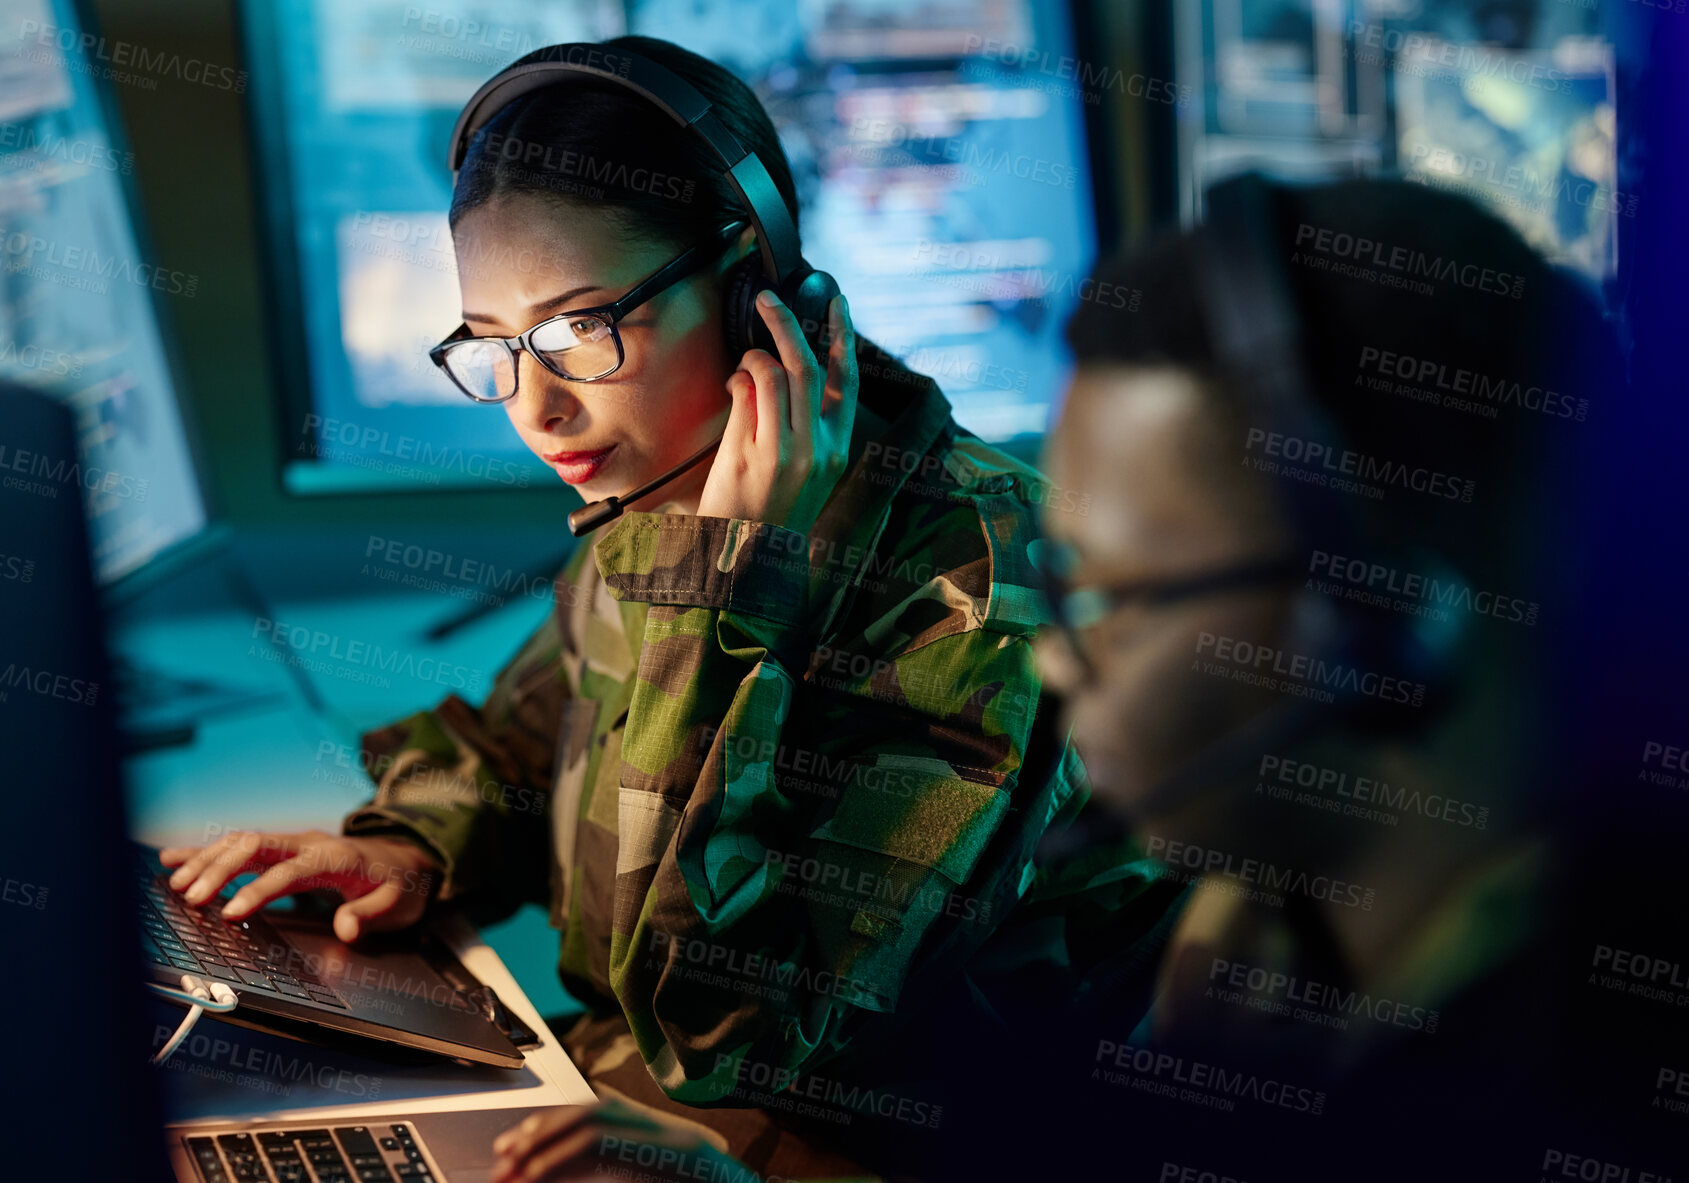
{"x":543,"y":401}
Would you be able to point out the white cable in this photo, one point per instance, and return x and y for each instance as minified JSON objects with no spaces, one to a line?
{"x":181,"y":1033}
{"x":221,"y":999}
{"x":200,"y":997}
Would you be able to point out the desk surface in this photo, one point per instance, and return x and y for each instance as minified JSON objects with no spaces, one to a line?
{"x":288,"y":760}
{"x":283,"y":763}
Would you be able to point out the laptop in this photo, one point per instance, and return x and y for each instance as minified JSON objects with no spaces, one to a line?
{"x":295,"y":977}
{"x":70,"y":885}
{"x":454,"y":1147}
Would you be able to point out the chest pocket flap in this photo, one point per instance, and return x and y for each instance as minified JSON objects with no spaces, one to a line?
{"x":916,"y":808}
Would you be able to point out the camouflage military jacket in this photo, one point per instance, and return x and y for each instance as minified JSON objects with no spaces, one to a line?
{"x":773,"y":788}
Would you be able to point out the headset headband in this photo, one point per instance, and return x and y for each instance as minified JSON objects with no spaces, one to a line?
{"x":1255,"y":326}
{"x":1255,"y":329}
{"x":1251,"y":314}
{"x":669,"y":93}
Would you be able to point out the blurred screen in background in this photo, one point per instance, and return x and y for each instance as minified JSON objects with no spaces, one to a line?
{"x":1510,"y":102}
{"x":79,"y":299}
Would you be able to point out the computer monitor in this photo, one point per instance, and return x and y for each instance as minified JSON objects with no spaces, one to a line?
{"x":1513,"y":105}
{"x":940,"y":156}
{"x":351,"y":105}
{"x":77,"y":1038}
{"x":1532,"y":136}
{"x":81,"y":302}
{"x":1275,"y":88}
{"x":942,"y":163}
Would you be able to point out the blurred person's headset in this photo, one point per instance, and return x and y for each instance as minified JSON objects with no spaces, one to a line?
{"x":778,"y":263}
{"x":1255,"y":328}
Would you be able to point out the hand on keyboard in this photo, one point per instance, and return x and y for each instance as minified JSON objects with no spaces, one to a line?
{"x":386,"y":882}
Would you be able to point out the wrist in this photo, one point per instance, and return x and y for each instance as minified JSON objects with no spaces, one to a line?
{"x":403,"y":852}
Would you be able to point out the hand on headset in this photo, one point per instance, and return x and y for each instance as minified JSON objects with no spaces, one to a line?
{"x":789,"y":429}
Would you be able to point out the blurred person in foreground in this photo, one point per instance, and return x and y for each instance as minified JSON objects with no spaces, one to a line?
{"x":1307,"y":645}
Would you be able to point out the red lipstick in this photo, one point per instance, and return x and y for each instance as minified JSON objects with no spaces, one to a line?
{"x":578,"y":467}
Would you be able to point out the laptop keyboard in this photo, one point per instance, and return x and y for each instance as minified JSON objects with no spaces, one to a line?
{"x":247,"y":954}
{"x":343,"y":1154}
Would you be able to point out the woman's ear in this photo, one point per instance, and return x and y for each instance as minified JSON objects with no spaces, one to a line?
{"x":743,"y":247}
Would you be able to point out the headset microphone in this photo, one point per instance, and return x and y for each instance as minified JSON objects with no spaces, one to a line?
{"x":595,"y":513}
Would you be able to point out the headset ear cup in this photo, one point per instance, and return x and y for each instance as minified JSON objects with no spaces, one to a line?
{"x":739,"y":319}
{"x":808,"y":299}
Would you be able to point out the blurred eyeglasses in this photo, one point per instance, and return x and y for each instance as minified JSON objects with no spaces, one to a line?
{"x":1074,"y":611}
{"x":583,"y":345}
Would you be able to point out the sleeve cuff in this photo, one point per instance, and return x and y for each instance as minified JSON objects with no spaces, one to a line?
{"x":399,"y":821}
{"x":729,"y":564}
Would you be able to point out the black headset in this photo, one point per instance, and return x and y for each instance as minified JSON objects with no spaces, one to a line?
{"x":1251,"y":315}
{"x":778,"y":265}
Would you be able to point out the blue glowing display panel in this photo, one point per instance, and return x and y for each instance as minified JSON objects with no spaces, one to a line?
{"x":80,"y":297}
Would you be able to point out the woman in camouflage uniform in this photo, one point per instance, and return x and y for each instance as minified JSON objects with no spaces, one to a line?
{"x":775,"y":761}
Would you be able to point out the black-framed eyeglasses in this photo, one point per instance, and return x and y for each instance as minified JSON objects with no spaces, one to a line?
{"x":582,"y":345}
{"x":1075,"y":610}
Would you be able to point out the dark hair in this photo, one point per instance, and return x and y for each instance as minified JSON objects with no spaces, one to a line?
{"x":602,"y":144}
{"x":1505,"y":314}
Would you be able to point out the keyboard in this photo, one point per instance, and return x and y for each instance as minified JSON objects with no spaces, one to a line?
{"x":247,"y":954}
{"x":338,"y":1154}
